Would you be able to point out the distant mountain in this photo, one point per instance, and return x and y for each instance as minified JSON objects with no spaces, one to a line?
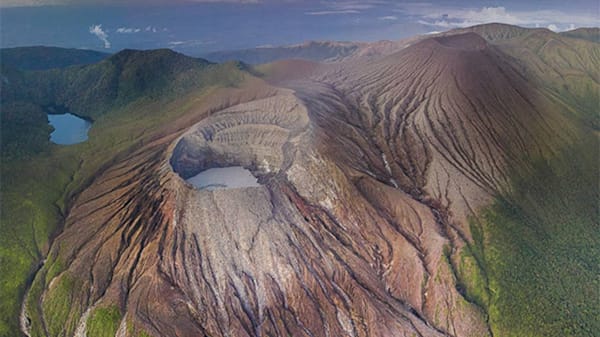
{"x":332,"y":51}
{"x":492,"y":31}
{"x":320,"y":51}
{"x":42,"y":58}
{"x":91,"y":89}
{"x":313,"y":51}
{"x":590,"y":34}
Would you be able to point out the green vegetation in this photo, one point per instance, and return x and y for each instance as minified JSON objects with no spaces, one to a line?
{"x":58,"y":304}
{"x":28,"y":131}
{"x":29,"y":215}
{"x":104,"y":322}
{"x":93,"y":90}
{"x":38,"y":177}
{"x":540,"y":246}
{"x":133,"y":331}
{"x":566,"y":68}
{"x":533,"y":265}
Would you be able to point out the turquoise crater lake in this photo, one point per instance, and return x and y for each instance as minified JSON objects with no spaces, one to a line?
{"x":68,"y":129}
{"x":223,"y":178}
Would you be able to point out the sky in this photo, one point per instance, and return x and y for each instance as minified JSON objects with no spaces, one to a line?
{"x":196,"y":27}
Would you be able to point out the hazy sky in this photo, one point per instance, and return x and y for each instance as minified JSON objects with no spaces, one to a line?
{"x":200,"y":26}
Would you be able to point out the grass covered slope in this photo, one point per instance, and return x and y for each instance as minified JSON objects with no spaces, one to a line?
{"x":539,"y":246}
{"x":564,"y":65}
{"x":39,"y":177}
{"x":591,"y":34}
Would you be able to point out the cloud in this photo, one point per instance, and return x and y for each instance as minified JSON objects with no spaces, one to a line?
{"x":125,"y":30}
{"x":101,"y":34}
{"x":133,"y":30}
{"x":447,"y":17}
{"x":335,"y":7}
{"x":552,"y":27}
{"x":333,"y":12}
{"x":190,"y":43}
{"x":352,"y":5}
{"x":388,"y":18}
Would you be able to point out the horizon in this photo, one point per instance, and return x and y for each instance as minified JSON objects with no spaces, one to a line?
{"x":287,"y":45}
{"x":199,"y":28}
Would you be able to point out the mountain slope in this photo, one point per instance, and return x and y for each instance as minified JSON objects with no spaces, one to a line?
{"x":591,"y":34}
{"x":121,"y":78}
{"x":564,"y":65}
{"x":494,"y":31}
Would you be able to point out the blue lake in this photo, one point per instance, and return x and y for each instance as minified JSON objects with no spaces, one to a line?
{"x":68,"y":129}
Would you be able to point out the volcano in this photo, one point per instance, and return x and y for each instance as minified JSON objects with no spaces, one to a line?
{"x":371,"y":216}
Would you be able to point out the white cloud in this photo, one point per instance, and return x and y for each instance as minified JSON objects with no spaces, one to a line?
{"x":333,"y":7}
{"x":152,"y":29}
{"x":333,"y":12}
{"x":351,"y":5}
{"x":126,"y":30}
{"x":133,"y":30}
{"x":454,"y":17}
{"x":552,"y":27}
{"x":190,"y":43}
{"x":388,"y":18}
{"x":101,"y":34}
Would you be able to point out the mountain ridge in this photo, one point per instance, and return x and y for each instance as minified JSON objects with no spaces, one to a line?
{"x":45,"y":57}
